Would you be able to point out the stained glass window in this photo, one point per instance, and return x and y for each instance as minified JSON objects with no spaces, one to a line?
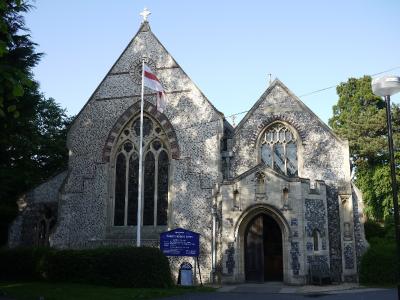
{"x":162,"y":197}
{"x":148,"y":207}
{"x":279,"y":158}
{"x":120,"y":181}
{"x":147,"y":126}
{"x":279,"y":149}
{"x":155,"y":175}
{"x":266,"y":154}
{"x":133,"y":188}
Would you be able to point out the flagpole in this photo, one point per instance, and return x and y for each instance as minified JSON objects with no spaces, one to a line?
{"x":139,"y":206}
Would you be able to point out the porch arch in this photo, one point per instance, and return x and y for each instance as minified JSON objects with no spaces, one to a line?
{"x":240,"y":230}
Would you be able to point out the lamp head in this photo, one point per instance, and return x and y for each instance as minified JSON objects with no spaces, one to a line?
{"x":386,"y":85}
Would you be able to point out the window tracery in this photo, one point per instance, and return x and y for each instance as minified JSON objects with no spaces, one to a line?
{"x":279,"y":149}
{"x":155,"y":174}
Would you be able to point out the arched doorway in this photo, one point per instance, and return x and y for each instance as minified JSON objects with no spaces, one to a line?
{"x":263,"y":250}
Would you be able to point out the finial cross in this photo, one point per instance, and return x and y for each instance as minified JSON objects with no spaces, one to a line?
{"x":145,"y":13}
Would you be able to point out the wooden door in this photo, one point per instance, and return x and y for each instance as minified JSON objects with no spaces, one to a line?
{"x":263,"y":250}
{"x":254,"y":250}
{"x":273,"y":263}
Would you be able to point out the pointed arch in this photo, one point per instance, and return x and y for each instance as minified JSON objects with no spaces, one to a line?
{"x":127,"y":115}
{"x":299,"y":128}
{"x":240,"y":235}
{"x":278,"y":144}
{"x":156,"y":168}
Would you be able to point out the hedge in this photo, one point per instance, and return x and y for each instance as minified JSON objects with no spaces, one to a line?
{"x":22,"y":263}
{"x":379,"y":264}
{"x":121,"y":267}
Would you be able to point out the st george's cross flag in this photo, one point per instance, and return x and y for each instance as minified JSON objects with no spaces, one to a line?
{"x":151,"y":81}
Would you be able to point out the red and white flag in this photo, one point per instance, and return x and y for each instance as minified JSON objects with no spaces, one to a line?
{"x":151,"y":81}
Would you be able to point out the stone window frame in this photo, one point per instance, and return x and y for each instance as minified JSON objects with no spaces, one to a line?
{"x":120,"y":141}
{"x":316,"y":241}
{"x":297,"y":137}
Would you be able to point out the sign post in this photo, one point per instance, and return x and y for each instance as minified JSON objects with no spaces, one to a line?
{"x":181,"y":242}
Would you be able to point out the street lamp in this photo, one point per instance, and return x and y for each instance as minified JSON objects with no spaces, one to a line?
{"x":385,"y":87}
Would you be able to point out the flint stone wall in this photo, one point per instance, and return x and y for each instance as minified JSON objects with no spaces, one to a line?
{"x":85,"y":200}
{"x":21,"y":231}
{"x":322,"y":155}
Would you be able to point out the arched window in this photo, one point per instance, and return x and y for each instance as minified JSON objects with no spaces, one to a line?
{"x":44,"y":226}
{"x":279,"y":149}
{"x":155,"y":174}
{"x":316,"y":239}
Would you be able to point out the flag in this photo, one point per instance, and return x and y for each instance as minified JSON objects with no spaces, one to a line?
{"x":151,"y":81}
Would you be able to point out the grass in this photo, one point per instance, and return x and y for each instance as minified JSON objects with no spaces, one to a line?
{"x":64,"y":291}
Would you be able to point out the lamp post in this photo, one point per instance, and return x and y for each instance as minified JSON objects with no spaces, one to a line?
{"x":385,"y":87}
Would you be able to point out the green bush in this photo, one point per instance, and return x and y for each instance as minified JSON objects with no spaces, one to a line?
{"x":379,"y":264}
{"x":22,"y":263}
{"x":122,"y":267}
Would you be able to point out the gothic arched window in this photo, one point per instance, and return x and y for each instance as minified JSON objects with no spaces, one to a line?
{"x":279,"y":149}
{"x":155,"y":174}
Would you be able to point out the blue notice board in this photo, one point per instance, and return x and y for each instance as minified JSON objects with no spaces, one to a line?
{"x":179,"y":242}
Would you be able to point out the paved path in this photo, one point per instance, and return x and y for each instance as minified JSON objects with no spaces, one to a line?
{"x":372,"y":295}
{"x":279,"y":291}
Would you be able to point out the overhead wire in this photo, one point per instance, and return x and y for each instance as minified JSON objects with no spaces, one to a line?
{"x":321,"y":90}
{"x":301,"y":96}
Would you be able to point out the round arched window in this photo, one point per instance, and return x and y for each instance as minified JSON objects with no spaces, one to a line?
{"x":279,"y":149}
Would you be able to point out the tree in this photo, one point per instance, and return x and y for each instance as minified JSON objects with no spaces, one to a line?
{"x":17,"y":57}
{"x":32,"y":150}
{"x":32,"y":128}
{"x":360,"y":117}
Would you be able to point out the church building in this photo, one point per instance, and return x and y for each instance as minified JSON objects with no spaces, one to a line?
{"x":270,"y":197}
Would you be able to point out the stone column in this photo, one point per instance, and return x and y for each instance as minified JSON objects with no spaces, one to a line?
{"x":349,"y":262}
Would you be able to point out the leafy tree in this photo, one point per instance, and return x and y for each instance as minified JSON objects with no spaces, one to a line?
{"x":360,"y":117}
{"x":32,"y":128}
{"x":17,"y":57}
{"x":32,"y":149}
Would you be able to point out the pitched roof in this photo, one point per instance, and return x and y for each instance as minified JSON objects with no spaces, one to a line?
{"x":144,"y":27}
{"x":279,"y":83}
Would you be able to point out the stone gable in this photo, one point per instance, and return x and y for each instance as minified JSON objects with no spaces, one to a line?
{"x":322,"y":155}
{"x":194,"y":128}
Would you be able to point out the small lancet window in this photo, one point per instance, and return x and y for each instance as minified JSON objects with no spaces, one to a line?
{"x":236,"y":200}
{"x":316,"y":239}
{"x":279,"y":149}
{"x":285,"y":196}
{"x":260,"y":183}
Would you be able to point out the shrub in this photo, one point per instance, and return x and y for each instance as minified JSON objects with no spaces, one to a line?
{"x":22,"y":263}
{"x":379,"y":264}
{"x":122,"y":267}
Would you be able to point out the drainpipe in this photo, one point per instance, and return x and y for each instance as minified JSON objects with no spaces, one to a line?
{"x":213,"y":246}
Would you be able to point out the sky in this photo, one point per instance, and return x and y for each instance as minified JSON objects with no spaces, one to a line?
{"x":227,"y":47}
